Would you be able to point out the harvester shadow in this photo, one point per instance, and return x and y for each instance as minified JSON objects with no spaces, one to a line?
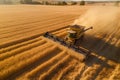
{"x":100,"y":48}
{"x":90,"y":63}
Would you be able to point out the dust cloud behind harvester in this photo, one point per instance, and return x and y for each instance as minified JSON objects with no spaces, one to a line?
{"x":103,"y":19}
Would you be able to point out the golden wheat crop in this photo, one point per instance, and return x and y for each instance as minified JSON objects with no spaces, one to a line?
{"x":26,"y":55}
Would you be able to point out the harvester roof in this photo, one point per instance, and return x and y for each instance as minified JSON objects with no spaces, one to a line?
{"x":71,"y":31}
{"x":76,"y":27}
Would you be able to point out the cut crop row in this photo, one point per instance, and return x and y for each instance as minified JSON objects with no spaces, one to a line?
{"x":29,"y":63}
{"x":19,"y":38}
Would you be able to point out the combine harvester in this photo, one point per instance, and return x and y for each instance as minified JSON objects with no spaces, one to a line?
{"x":75,"y":33}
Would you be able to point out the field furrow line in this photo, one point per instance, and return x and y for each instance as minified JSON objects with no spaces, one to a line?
{"x":63,"y":26}
{"x":116,"y":73}
{"x":90,"y":72}
{"x":34,"y":27}
{"x":105,"y":71}
{"x":65,"y":71}
{"x":59,"y":31}
{"x":54,"y":69}
{"x":9,"y":29}
{"x":23,"y":20}
{"x":108,"y":39}
{"x":95,"y":72}
{"x":55,"y":18}
{"x":45,"y":56}
{"x":18,"y":38}
{"x":15,"y":46}
{"x":34,"y":74}
{"x":79,"y":71}
{"x":23,"y":56}
{"x":71,"y":73}
{"x":21,"y":49}
{"x":27,"y":32}
{"x":79,"y":76}
{"x":62,"y":34}
{"x":26,"y":38}
{"x":24,"y":65}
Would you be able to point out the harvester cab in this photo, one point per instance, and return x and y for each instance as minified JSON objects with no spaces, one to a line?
{"x":75,"y":32}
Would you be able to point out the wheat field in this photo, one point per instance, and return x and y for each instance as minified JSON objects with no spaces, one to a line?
{"x":26,"y":55}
